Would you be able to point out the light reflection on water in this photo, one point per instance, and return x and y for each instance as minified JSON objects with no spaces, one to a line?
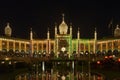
{"x":56,"y":74}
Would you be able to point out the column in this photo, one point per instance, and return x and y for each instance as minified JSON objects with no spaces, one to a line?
{"x":37,"y":46}
{"x":0,"y":45}
{"x":69,"y":53}
{"x":112,"y":46}
{"x":49,"y":46}
{"x":84,"y":47}
{"x":13,"y":45}
{"x":101,"y":47}
{"x":89,"y":46}
{"x":54,"y":47}
{"x":57,"y":48}
{"x":106,"y":46}
{"x":43,"y":66}
{"x":19,"y":46}
{"x":25,"y":46}
{"x":7,"y":45}
{"x":42,"y":46}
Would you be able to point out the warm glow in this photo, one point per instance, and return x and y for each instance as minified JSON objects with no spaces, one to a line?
{"x":119,"y":60}
{"x":110,"y":56}
{"x":98,"y":62}
{"x":2,"y":62}
{"x":106,"y":57}
{"x":7,"y":58}
{"x":10,"y":62}
{"x":63,"y":49}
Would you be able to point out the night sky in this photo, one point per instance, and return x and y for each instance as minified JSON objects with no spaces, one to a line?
{"x":41,"y":14}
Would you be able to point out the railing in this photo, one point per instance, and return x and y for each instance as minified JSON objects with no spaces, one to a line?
{"x":43,"y":57}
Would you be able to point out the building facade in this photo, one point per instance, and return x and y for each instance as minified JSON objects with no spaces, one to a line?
{"x":62,"y":41}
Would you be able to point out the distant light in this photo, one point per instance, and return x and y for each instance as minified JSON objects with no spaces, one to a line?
{"x":15,"y":62}
{"x":44,"y":53}
{"x":110,"y":56}
{"x":63,"y":49}
{"x":106,"y":57}
{"x":119,"y":60}
{"x":98,"y":62}
{"x":113,"y":56}
{"x":7,"y":58}
{"x":98,"y":78}
{"x":2,"y":62}
{"x":81,"y":53}
{"x":86,"y":52}
{"x":39,"y":52}
{"x":58,"y":62}
{"x":10,"y":62}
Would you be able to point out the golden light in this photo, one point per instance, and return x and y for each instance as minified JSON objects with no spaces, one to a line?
{"x":7,"y":58}
{"x":63,"y":49}
{"x":106,"y":57}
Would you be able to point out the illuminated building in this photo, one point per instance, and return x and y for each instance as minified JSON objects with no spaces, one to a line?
{"x":62,"y":41}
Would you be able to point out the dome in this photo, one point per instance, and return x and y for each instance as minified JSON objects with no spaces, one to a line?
{"x":117,"y":31}
{"x":63,"y":27}
{"x":8,"y":30}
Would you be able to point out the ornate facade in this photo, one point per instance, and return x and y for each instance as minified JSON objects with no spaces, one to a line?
{"x":62,"y":41}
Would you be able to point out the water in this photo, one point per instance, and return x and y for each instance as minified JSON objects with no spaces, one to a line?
{"x":57,"y":71}
{"x":56,"y":76}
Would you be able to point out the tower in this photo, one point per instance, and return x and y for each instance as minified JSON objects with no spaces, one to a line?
{"x":55,"y":29}
{"x":63,"y":26}
{"x":48,"y":41}
{"x":31,"y":42}
{"x":31,"y":34}
{"x":48,"y":34}
{"x":95,"y":41}
{"x":63,"y":40}
{"x":71,"y":29}
{"x":78,"y":39}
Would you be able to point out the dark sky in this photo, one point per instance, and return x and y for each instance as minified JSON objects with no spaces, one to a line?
{"x":41,"y":14}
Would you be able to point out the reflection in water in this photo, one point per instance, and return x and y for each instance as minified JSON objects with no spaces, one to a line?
{"x":56,"y":74}
{"x":43,"y":66}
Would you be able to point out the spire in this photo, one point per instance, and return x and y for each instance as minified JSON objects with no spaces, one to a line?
{"x":48,"y":34}
{"x":63,"y":17}
{"x":55,"y":28}
{"x":71,"y":29}
{"x":95,"y":40}
{"x":31,"y":34}
{"x":95,"y":34}
{"x":78,"y":34}
{"x":8,"y":24}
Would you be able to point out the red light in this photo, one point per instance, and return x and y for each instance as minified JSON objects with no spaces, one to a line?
{"x":98,"y":78}
{"x":119,"y":60}
{"x":98,"y":62}
{"x":106,"y":57}
{"x":110,"y":56}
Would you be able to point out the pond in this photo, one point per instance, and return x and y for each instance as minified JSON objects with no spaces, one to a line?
{"x":58,"y":71}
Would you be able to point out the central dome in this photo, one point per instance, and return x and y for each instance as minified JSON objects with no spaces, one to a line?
{"x":8,"y":30}
{"x":63,"y":27}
